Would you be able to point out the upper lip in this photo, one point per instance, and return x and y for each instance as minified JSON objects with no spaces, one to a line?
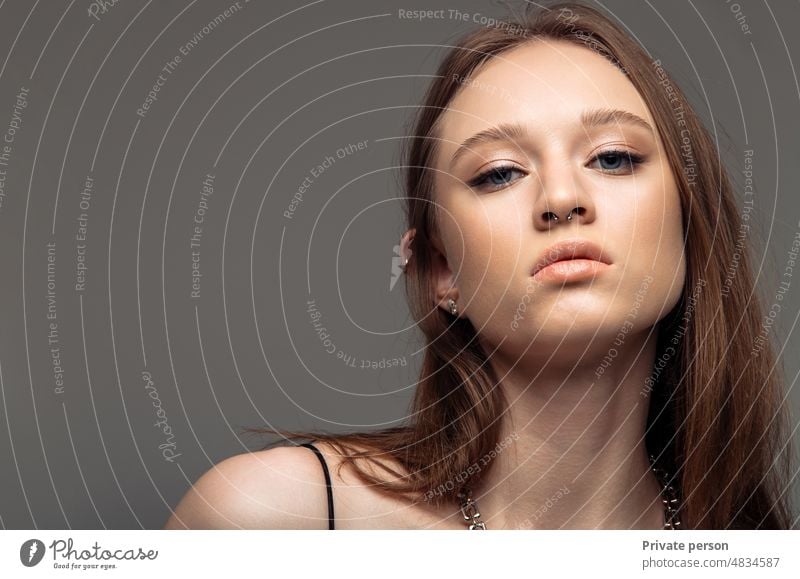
{"x":570,"y":249}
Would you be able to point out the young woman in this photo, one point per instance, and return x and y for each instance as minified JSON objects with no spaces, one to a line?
{"x":590,"y":362}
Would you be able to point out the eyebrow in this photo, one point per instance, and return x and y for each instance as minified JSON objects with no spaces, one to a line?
{"x":516,"y":130}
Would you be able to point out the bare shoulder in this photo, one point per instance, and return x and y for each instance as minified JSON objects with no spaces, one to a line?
{"x":278,"y":488}
{"x":362,"y":506}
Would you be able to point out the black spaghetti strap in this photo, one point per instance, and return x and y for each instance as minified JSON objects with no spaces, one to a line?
{"x":327,"y":482}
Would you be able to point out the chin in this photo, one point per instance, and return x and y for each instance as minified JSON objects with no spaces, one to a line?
{"x":580,"y":310}
{"x":581,"y":327}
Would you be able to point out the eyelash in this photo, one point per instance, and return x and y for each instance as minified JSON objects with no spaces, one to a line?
{"x":632,"y":159}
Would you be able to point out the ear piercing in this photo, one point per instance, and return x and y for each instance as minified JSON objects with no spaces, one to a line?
{"x":451,"y":305}
{"x":405,"y":252}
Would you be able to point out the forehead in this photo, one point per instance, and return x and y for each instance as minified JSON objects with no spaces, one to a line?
{"x":545,"y":83}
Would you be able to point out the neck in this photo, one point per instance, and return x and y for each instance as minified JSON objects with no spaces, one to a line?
{"x":575,"y":454}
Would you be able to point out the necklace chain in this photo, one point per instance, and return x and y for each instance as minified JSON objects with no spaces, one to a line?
{"x":669,"y":497}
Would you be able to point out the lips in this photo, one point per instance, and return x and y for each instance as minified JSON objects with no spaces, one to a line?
{"x":570,"y":249}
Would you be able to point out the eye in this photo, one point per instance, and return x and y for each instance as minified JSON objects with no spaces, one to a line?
{"x":495,"y":178}
{"x":618,"y":161}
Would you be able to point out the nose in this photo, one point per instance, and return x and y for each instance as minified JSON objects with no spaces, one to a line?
{"x":563,"y":199}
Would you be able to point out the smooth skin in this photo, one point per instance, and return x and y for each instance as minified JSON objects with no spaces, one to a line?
{"x":576,"y":429}
{"x":572,"y":428}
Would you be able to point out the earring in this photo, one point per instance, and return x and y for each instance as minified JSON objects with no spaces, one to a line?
{"x":451,"y":304}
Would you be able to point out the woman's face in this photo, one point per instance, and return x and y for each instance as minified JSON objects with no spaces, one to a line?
{"x":570,"y":153}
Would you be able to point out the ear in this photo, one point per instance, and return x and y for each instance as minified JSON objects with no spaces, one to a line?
{"x":443,"y":278}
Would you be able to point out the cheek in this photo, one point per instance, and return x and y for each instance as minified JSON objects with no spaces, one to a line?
{"x":659,"y":231}
{"x":655,"y":249}
{"x":644,"y":216}
{"x":492,"y":243}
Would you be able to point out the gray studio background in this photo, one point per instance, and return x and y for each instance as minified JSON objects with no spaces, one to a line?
{"x":254,"y":105}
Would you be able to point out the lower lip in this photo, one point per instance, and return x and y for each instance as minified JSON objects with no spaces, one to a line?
{"x":570,"y":270}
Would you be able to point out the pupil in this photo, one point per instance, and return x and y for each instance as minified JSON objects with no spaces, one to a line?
{"x":613,"y":160}
{"x":499,"y":174}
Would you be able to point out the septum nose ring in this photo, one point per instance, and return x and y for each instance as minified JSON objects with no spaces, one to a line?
{"x":555,"y":217}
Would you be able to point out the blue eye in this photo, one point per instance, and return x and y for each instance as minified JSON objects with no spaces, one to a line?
{"x":495,"y":178}
{"x":614,"y":162}
{"x":618,"y":161}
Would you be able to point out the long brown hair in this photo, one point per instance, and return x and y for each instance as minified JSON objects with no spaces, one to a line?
{"x":717,"y":416}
